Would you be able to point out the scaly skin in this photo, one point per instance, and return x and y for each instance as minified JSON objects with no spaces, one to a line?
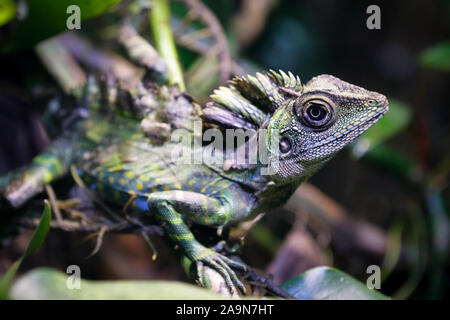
{"x":117,"y":160}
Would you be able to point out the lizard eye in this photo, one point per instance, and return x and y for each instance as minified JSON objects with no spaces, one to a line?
{"x":316,"y":113}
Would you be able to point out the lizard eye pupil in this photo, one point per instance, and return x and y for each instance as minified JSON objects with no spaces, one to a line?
{"x":316,"y":112}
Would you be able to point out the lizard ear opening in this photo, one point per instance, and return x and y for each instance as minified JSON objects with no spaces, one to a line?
{"x":285,"y":145}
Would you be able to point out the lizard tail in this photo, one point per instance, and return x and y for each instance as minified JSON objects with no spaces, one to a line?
{"x":21,"y":185}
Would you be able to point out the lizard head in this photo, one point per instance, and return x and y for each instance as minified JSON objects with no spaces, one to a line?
{"x":319,"y":121}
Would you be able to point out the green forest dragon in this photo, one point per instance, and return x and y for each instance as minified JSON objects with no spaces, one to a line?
{"x":121,"y":148}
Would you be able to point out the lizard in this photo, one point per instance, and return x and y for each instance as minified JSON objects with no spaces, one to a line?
{"x":116,"y":157}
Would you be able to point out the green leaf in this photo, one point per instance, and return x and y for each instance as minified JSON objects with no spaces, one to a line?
{"x":48,"y":17}
{"x":47,"y":283}
{"x":7,"y":11}
{"x":394,"y":121}
{"x":325,"y":283}
{"x":36,"y":241}
{"x":436,"y":57}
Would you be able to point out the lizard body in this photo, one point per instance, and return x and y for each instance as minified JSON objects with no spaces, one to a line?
{"x":117,"y":160}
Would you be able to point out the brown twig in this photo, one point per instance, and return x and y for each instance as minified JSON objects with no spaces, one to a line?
{"x":74,"y":226}
{"x":99,"y":242}
{"x":353,"y":234}
{"x":298,"y":253}
{"x":250,"y":20}
{"x":60,"y":63}
{"x":217,"y":32}
{"x":53,"y":201}
{"x":267,"y":283}
{"x":99,"y":61}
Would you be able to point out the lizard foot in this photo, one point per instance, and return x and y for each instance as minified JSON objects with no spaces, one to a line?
{"x":223,"y":265}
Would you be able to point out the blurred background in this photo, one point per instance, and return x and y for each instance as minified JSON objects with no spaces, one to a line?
{"x":382,"y":201}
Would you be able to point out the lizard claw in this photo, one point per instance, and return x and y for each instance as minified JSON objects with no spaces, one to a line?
{"x":224,"y":266}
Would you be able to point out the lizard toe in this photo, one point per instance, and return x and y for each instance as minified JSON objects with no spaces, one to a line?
{"x":224,"y":266}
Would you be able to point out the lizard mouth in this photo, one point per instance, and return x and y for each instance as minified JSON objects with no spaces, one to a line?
{"x":351,"y":134}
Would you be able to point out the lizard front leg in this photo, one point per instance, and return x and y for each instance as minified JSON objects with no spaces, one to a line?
{"x":168,"y":206}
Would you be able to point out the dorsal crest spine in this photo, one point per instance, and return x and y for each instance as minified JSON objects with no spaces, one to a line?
{"x":248,"y":101}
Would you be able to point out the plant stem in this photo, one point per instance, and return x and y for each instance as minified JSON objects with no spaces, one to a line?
{"x":160,"y":24}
